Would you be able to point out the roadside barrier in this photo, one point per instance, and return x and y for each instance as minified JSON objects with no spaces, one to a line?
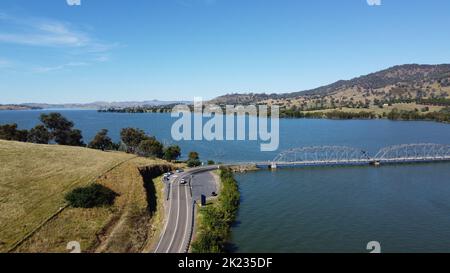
{"x":191,"y":230}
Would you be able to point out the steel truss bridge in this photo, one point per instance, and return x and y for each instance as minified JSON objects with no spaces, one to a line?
{"x":342,"y":155}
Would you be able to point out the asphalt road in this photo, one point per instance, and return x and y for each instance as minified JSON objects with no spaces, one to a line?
{"x":176,"y":235}
{"x":203,"y":184}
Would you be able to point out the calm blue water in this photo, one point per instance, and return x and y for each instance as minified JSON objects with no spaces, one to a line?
{"x":406,"y":207}
{"x":368,"y":135}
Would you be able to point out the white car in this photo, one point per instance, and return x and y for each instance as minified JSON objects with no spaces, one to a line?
{"x":183,"y":181}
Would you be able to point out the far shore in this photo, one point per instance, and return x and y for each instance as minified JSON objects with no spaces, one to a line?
{"x":435,"y":114}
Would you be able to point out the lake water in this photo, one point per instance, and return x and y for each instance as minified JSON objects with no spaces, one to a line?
{"x":404,"y":207}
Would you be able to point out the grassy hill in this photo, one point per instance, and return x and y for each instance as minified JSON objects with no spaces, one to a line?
{"x":425,"y":84}
{"x":35,"y":218}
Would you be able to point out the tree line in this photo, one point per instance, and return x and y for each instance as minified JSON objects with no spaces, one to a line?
{"x":395,"y":114}
{"x":55,"y":128}
{"x":423,"y":101}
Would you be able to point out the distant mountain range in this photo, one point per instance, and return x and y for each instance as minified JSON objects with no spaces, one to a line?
{"x":398,"y":82}
{"x":94,"y":105}
{"x":403,"y":83}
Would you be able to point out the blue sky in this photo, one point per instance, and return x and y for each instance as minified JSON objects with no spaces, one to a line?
{"x":113,"y":50}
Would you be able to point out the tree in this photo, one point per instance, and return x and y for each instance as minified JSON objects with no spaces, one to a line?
{"x":10,"y":132}
{"x":193,"y":155}
{"x":150,"y":148}
{"x":132,"y":137}
{"x":39,"y":135}
{"x":71,"y":138}
{"x":56,"y":122}
{"x":172,"y":153}
{"x":102,"y":141}
{"x":194,"y":160}
{"x":193,"y":163}
{"x":62,"y":130}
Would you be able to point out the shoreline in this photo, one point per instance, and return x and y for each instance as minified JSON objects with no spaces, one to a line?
{"x":395,"y":114}
{"x":329,"y":114}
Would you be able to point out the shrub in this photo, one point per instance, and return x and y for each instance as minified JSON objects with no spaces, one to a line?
{"x":91,"y":196}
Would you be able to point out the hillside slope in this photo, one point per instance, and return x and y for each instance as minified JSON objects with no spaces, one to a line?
{"x":411,"y":75}
{"x":35,"y":178}
{"x":404,"y":82}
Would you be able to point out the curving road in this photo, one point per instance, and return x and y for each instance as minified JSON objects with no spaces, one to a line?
{"x":177,"y":232}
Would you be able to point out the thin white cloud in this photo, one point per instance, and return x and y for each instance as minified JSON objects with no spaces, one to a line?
{"x":43,"y":32}
{"x":41,"y":40}
{"x":70,"y":41}
{"x":59,"y":67}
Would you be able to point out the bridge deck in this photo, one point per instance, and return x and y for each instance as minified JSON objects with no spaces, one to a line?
{"x":355,"y":162}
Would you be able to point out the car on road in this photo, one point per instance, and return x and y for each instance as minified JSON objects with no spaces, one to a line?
{"x":183,"y":181}
{"x":179,"y":171}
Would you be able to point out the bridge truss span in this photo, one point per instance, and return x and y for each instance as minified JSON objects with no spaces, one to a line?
{"x":414,"y":152}
{"x":343,"y":155}
{"x":321,"y":155}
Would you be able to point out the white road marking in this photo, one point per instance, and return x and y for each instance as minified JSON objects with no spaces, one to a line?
{"x":176,"y":225}
{"x":187,"y":221}
{"x":178,"y":212}
{"x":167,"y":222}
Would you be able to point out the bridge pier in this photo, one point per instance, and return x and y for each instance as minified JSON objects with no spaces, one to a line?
{"x":375,"y":163}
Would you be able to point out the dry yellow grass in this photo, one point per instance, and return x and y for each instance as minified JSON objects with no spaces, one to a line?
{"x":34,"y":180}
{"x":357,"y":95}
